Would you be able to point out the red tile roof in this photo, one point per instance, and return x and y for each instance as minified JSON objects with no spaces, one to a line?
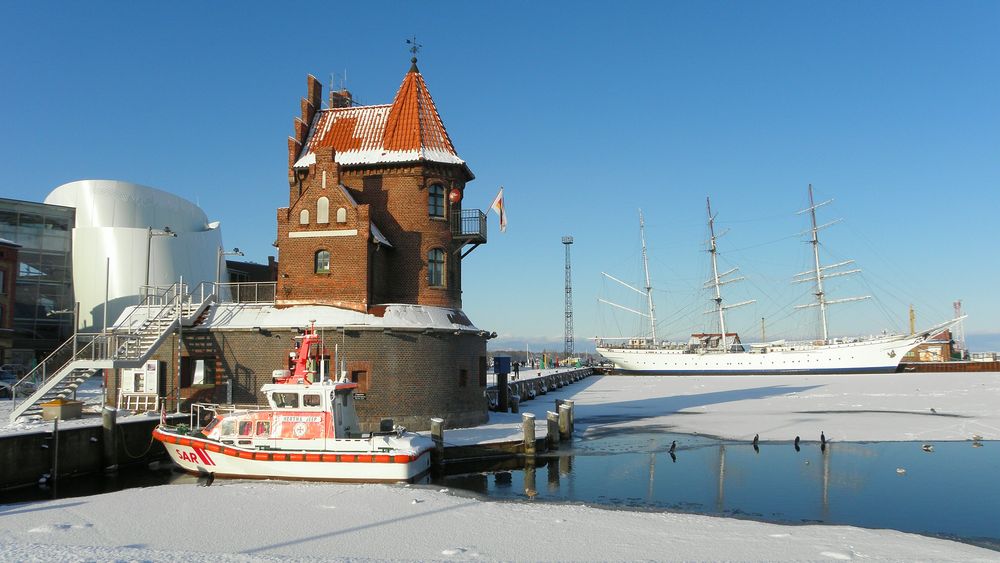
{"x":408,"y":130}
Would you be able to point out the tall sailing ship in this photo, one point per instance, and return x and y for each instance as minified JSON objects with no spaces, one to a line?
{"x":722,"y":353}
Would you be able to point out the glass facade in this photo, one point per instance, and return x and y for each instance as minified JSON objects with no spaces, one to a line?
{"x":43,"y":305}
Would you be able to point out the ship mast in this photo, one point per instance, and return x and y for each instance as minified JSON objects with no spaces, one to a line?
{"x":817,"y":273}
{"x":717,"y":280}
{"x":648,"y":293}
{"x":649,"y":287}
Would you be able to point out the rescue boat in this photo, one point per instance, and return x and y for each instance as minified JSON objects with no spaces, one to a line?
{"x":308,"y":431}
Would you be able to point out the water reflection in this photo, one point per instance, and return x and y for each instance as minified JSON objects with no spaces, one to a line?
{"x":952,"y":491}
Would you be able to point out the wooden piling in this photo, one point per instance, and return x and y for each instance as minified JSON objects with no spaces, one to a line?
{"x":572,"y":415}
{"x":552,"y":430}
{"x":528,"y":429}
{"x":109,"y":442}
{"x":437,"y":435}
{"x":564,"y":432}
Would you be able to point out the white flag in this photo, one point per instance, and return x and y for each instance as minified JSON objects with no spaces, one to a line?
{"x":498,"y":206}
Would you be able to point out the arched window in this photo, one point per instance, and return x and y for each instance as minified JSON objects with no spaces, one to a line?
{"x":341,"y":215}
{"x":304,"y":217}
{"x":323,"y":210}
{"x":435,"y":267}
{"x":435,"y":201}
{"x":323,"y":262}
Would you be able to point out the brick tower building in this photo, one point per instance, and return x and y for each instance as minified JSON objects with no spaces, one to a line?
{"x":370,"y":254}
{"x":374,"y":204}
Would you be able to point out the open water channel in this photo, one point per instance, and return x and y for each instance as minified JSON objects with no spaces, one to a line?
{"x":952,"y":492}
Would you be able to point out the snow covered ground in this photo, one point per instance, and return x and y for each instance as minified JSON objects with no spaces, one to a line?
{"x":889,"y":407}
{"x":237,"y":520}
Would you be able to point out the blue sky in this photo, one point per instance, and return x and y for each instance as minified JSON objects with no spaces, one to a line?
{"x":585,"y":113}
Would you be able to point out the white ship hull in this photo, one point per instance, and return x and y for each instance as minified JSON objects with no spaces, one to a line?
{"x":379,"y":459}
{"x":879,"y":355}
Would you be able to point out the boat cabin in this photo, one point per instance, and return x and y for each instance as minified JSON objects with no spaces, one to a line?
{"x":299,"y":417}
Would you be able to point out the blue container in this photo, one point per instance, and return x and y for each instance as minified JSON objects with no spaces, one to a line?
{"x":501,"y":364}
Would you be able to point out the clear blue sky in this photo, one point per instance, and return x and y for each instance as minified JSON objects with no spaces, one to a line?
{"x":585,"y":113}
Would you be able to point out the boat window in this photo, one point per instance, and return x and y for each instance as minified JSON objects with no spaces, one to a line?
{"x":263,"y":428}
{"x":228,"y":427}
{"x":246,"y":427}
{"x":286,"y":400}
{"x":310,"y":400}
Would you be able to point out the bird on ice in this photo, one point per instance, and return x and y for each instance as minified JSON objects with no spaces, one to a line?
{"x":927,"y":448}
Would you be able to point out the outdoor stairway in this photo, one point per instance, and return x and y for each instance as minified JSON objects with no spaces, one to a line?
{"x":127,"y":345}
{"x":64,"y":388}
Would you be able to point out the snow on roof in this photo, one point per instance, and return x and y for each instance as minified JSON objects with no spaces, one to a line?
{"x":408,"y":130}
{"x":251,"y":315}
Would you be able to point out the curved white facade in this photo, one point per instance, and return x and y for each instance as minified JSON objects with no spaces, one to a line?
{"x":113,"y":221}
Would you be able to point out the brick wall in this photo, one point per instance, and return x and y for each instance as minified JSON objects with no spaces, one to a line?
{"x":412,"y":376}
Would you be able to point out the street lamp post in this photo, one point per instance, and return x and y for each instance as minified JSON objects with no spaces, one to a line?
{"x":150,"y":233}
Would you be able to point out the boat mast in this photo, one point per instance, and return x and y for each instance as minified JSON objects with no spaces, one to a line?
{"x":820,"y":296}
{"x":718,"y":280}
{"x":715,"y":274}
{"x":649,"y":288}
{"x":817,"y":274}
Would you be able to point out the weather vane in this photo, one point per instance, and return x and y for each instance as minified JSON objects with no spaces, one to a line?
{"x":414,"y":46}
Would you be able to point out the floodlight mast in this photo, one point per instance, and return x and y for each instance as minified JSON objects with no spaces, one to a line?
{"x":568,"y":329}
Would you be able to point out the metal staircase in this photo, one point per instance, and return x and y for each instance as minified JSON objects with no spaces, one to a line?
{"x":127,"y":345}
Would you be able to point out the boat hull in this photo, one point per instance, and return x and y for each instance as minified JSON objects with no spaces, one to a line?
{"x":870,"y":356}
{"x":199,"y":456}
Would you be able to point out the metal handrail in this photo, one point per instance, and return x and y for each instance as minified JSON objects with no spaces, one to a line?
{"x":469,"y":222}
{"x":113,"y":344}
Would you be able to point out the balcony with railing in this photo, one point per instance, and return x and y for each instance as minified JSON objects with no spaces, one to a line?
{"x":468,"y":226}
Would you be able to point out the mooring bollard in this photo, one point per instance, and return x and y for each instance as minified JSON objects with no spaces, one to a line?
{"x":528,"y":429}
{"x":437,"y":435}
{"x":109,"y":442}
{"x":564,"y":433}
{"x":515,"y":403}
{"x":552,"y":430}
{"x":572,"y":415}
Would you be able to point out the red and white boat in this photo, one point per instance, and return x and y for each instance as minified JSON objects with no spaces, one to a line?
{"x":308,"y":431}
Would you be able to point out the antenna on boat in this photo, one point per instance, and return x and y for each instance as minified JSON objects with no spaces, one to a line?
{"x":816,"y":274}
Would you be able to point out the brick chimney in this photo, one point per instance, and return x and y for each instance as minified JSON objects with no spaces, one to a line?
{"x":340,"y":99}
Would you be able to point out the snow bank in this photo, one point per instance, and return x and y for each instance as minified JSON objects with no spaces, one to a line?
{"x":239,"y":520}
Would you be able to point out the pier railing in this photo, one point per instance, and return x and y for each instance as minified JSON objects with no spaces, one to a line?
{"x":246,"y":292}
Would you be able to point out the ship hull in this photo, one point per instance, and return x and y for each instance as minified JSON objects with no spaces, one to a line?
{"x":199,"y":456}
{"x":870,"y":356}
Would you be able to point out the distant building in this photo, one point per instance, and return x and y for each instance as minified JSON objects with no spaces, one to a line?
{"x":8,"y":289}
{"x":142,"y":235}
{"x":938,"y":348}
{"x":40,"y":301}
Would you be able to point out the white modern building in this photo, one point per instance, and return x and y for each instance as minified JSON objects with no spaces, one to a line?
{"x":141,"y":236}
